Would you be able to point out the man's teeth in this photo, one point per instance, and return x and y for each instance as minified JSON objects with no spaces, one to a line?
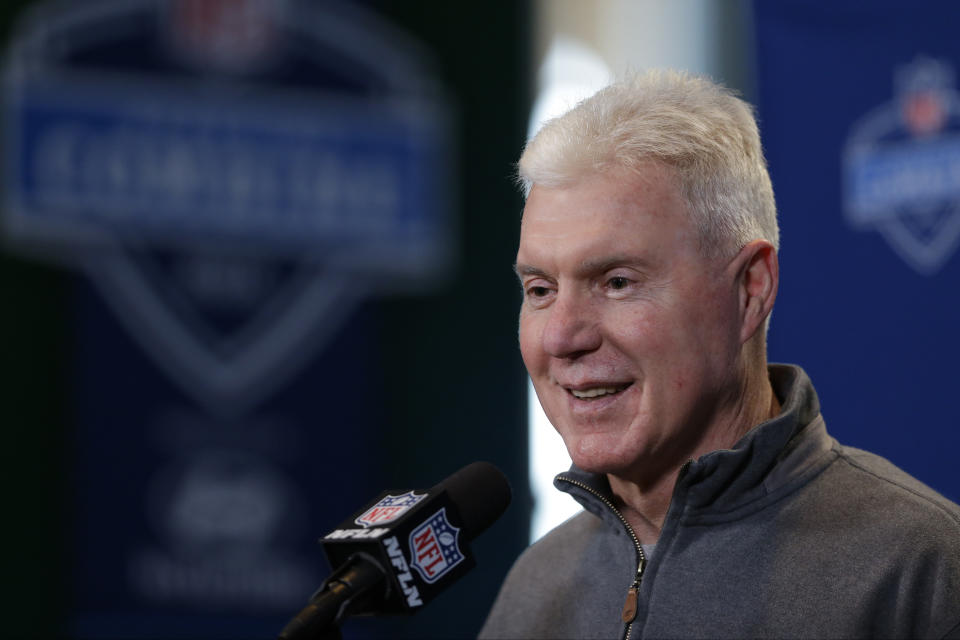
{"x":595,"y":392}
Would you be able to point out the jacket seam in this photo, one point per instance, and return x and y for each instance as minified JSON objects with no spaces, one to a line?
{"x":850,"y":460}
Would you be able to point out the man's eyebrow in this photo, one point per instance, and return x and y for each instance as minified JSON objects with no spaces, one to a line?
{"x":603,"y":263}
{"x":527,"y":270}
{"x":590,"y":265}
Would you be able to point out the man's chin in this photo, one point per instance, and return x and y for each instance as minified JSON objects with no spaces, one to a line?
{"x":600,"y":460}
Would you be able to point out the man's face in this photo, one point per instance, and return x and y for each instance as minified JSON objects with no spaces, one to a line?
{"x":630,"y":336}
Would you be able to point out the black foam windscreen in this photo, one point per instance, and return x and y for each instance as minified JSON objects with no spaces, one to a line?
{"x":481,"y":493}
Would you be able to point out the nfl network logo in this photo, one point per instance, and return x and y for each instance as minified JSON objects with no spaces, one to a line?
{"x":902,"y":167}
{"x":389,"y":509}
{"x":434,"y":547}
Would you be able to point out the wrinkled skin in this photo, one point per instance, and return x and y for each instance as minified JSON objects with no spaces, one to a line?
{"x":621,"y":304}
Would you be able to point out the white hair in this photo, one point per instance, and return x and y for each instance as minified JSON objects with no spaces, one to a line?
{"x":699,"y":128}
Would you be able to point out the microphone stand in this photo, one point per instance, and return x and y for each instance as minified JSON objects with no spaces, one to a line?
{"x":344,"y":591}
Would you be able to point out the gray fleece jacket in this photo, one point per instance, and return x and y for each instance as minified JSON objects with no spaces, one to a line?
{"x":787,"y":535}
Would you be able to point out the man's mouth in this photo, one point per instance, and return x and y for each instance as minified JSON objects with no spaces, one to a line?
{"x":598,"y":392}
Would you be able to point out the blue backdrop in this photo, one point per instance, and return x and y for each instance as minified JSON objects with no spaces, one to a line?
{"x":859,"y":115}
{"x":276,"y":221}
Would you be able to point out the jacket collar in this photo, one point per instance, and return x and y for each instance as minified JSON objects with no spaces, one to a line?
{"x":769,"y":456}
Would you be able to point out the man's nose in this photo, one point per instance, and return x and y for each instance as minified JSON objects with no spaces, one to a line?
{"x":573,"y":326}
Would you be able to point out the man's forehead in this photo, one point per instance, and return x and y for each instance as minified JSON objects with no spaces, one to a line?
{"x":625,"y":187}
{"x":620,"y":217}
{"x":632,"y":197}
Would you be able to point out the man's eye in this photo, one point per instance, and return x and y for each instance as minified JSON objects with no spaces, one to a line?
{"x":538,"y":292}
{"x":618,"y":283}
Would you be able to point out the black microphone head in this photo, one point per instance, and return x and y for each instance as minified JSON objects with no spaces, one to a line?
{"x":481,"y":494}
{"x":420,"y":539}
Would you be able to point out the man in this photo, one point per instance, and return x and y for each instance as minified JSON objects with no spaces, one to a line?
{"x":716,"y":503}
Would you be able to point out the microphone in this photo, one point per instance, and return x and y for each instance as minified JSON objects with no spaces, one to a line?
{"x":401,"y":550}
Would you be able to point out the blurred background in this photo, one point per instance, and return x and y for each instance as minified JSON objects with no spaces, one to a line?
{"x":257,"y":267}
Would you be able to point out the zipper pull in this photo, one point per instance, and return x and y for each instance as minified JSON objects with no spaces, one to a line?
{"x":630,"y":605}
{"x":633,"y":593}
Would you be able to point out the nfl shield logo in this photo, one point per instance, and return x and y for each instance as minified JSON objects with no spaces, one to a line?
{"x":901,"y":162}
{"x":434,"y":547}
{"x":388,"y":509}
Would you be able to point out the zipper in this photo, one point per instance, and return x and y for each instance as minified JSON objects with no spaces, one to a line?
{"x":630,"y":605}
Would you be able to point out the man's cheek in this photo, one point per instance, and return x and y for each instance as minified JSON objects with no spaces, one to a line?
{"x":530,"y":338}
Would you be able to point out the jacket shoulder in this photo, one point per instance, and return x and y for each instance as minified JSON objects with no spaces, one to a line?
{"x":869,"y":475}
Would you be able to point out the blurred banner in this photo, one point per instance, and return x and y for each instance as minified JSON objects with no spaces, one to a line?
{"x":860,"y":114}
{"x":238,"y":180}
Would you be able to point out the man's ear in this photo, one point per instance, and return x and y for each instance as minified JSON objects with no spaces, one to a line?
{"x":758,"y":277}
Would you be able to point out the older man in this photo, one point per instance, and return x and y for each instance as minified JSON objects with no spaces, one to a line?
{"x":716,"y":503}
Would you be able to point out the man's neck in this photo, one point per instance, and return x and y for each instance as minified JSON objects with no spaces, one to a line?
{"x":645,"y":504}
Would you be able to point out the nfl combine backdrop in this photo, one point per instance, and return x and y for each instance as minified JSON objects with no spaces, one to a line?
{"x":261,"y":216}
{"x":860,"y":114}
